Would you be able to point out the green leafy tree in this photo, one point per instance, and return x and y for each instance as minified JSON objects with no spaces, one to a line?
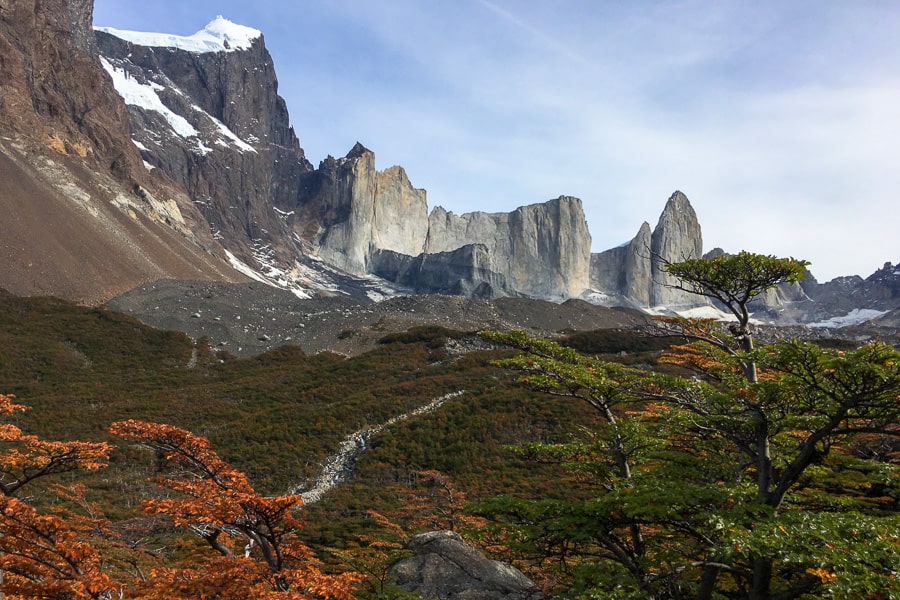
{"x":735,"y":281}
{"x":738,"y":482}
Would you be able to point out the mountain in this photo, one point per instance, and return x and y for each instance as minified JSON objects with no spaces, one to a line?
{"x":198,"y":115}
{"x":82,"y":217}
{"x":131,"y":157}
{"x":205,"y":110}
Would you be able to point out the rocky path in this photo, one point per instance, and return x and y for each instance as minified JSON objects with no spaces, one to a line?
{"x":195,"y":353}
{"x":339,"y":467}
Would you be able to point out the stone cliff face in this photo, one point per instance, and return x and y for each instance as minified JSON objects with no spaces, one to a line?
{"x":83,"y":218}
{"x":542,"y":250}
{"x":366,"y":221}
{"x":634,"y":273}
{"x":54,"y":91}
{"x":625,"y":270}
{"x":210,"y":117}
{"x":676,"y":237}
{"x":351,"y":210}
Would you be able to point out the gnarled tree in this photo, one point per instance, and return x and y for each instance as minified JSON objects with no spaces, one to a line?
{"x":40,"y":555}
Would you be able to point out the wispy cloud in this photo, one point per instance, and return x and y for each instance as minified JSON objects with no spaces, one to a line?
{"x":548,"y":42}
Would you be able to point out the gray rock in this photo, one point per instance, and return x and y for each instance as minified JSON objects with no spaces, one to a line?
{"x":376,"y":222}
{"x":446,"y":568}
{"x":676,"y":238}
{"x":625,"y":271}
{"x":635,"y":272}
{"x":245,"y":158}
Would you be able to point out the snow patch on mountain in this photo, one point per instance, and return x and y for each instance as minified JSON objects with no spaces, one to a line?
{"x":225,"y":131}
{"x":144,"y":95}
{"x":856,"y":316}
{"x":309,"y":277}
{"x":698,"y":312}
{"x":272,"y":275}
{"x":220,"y":35}
{"x":706,"y":312}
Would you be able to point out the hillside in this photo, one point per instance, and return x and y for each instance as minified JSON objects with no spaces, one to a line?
{"x":276,"y":415}
{"x":85,"y":219}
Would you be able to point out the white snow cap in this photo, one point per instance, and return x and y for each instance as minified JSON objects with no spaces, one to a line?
{"x":220,"y":35}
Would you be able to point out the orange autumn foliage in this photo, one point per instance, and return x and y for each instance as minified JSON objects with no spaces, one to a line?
{"x":27,"y":457}
{"x":41,"y":557}
{"x":259,"y":553}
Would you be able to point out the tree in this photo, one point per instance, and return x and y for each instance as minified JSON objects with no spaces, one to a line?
{"x":737,"y":482}
{"x":257,"y":553}
{"x":735,"y":281}
{"x":607,"y":387}
{"x":27,"y":457}
{"x":40,"y":555}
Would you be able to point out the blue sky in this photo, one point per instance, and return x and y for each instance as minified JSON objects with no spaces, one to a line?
{"x":780,"y":120}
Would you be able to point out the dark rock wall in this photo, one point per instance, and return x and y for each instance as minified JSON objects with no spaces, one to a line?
{"x":235,"y":187}
{"x":52,"y":89}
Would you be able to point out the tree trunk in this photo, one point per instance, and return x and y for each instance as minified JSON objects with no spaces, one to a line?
{"x":708,"y":583}
{"x":762,"y":578}
{"x":763,"y":456}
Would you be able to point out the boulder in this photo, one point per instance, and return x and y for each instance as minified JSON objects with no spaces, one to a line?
{"x":446,"y":568}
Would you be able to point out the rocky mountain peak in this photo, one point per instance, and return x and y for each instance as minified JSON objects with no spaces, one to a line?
{"x":219,"y":35}
{"x":183,"y":143}
{"x":634,"y":273}
{"x":678,"y":202}
{"x":357,"y":151}
{"x":888,"y":274}
{"x":205,"y":110}
{"x":677,"y":237}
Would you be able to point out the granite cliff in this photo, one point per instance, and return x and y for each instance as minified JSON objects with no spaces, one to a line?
{"x":635,"y":272}
{"x":205,"y":110}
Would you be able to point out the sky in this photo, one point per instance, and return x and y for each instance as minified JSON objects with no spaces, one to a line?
{"x":779,"y":119}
